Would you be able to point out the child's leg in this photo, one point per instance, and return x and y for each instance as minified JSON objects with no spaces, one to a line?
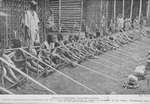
{"x":34,"y":64}
{"x":4,"y":74}
{"x":30,"y":67}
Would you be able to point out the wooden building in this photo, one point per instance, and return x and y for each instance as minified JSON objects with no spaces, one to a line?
{"x":69,"y":12}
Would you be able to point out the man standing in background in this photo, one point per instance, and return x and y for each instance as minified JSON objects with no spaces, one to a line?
{"x":31,"y":24}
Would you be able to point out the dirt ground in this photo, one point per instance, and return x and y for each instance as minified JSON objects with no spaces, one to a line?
{"x":116,"y":64}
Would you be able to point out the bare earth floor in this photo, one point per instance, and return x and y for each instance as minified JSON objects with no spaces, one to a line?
{"x":115,"y":64}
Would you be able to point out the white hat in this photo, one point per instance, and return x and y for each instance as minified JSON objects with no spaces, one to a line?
{"x":132,"y":77}
{"x":140,"y":69}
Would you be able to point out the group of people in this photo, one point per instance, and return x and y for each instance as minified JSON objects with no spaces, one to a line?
{"x":57,"y":51}
{"x":126,"y":24}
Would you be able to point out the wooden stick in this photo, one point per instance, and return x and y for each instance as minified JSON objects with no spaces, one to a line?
{"x":107,"y":14}
{"x":44,"y":20}
{"x":22,"y":73}
{"x":101,"y":6}
{"x":93,"y":70}
{"x":59,"y":20}
{"x":5,"y":90}
{"x":131,"y":9}
{"x":81,"y":17}
{"x":140,"y":9}
{"x":59,"y":72}
{"x":114,"y":10}
{"x":148,"y":11}
{"x":2,"y":70}
{"x":123,"y":8}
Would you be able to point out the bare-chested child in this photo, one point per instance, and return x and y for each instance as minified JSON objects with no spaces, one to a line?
{"x":21,"y":59}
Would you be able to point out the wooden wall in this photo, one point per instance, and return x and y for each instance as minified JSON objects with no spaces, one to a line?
{"x":70,"y":12}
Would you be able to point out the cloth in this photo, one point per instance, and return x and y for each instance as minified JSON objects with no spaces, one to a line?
{"x":120,"y":23}
{"x":127,"y":25}
{"x":140,"y":70}
{"x":49,"y":46}
{"x":136,"y":23}
{"x":31,"y":20}
{"x":46,"y":45}
{"x":33,"y":52}
{"x":132,"y":77}
{"x":49,"y":22}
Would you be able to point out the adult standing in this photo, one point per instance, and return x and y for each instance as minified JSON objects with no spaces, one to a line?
{"x":31,"y":24}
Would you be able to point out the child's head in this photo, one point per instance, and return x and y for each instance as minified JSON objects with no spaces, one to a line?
{"x":36,"y":43}
{"x":50,"y":38}
{"x":16,"y":43}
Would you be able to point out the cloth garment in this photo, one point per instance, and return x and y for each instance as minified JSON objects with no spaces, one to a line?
{"x":31,"y":20}
{"x":140,"y":70}
{"x":132,"y":77}
{"x":120,"y":23}
{"x":49,"y":46}
{"x":49,"y":21}
{"x":136,"y":23}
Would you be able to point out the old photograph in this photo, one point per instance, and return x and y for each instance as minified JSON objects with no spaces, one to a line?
{"x":74,"y":47}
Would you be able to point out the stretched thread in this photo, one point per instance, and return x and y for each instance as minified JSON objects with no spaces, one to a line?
{"x":59,"y":71}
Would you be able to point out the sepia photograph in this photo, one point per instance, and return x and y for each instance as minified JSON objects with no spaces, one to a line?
{"x":74,"y":47}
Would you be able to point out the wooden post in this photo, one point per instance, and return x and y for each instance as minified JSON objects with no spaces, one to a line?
{"x":22,"y":73}
{"x":123,"y":8}
{"x":81,"y":18}
{"x":101,"y":11}
{"x":59,"y":19}
{"x":45,"y":35}
{"x":148,"y":7}
{"x":114,"y":10}
{"x":140,"y":9}
{"x":5,"y":90}
{"x":101,"y":6}
{"x":6,"y":31}
{"x":131,"y":9}
{"x":106,"y":14}
{"x":2,"y":71}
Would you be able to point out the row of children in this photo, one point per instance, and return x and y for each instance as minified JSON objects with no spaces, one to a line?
{"x":56,"y":51}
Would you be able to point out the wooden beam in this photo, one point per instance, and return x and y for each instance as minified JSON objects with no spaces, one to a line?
{"x":114,"y":10}
{"x":131,"y":9}
{"x":7,"y":39}
{"x":81,"y":18}
{"x":5,"y":90}
{"x":140,"y":9}
{"x":22,"y":73}
{"x":101,"y":6}
{"x":106,"y":13}
{"x":123,"y":8}
{"x":45,"y":35}
{"x":148,"y":7}
{"x":59,"y":20}
{"x":2,"y":76}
